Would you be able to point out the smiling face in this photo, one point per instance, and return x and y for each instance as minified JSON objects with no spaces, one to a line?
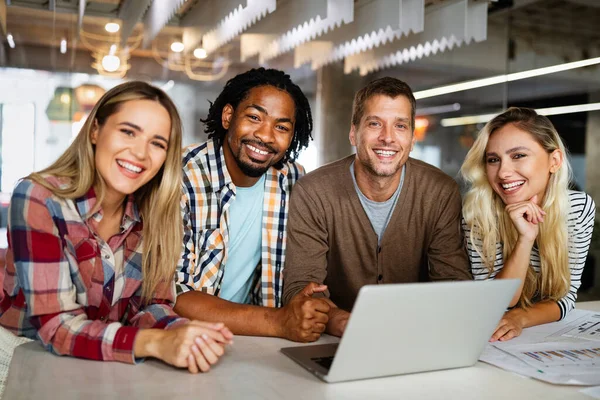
{"x":383,"y":137}
{"x":131,"y":146}
{"x":259,"y":132}
{"x":517,"y":166}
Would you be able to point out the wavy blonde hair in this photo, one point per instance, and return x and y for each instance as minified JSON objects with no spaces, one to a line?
{"x":485,"y":215}
{"x":158,"y":200}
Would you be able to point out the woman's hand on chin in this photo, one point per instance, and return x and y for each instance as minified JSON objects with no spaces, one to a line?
{"x":526,"y":217}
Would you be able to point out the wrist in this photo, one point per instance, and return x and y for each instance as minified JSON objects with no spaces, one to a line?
{"x":520,"y":316}
{"x":147,"y":343}
{"x":525,"y":242}
{"x":279,"y":317}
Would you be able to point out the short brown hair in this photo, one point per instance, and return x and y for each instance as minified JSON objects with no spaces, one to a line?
{"x":387,"y":86}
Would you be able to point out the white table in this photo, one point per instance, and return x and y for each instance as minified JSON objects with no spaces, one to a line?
{"x":253,"y":368}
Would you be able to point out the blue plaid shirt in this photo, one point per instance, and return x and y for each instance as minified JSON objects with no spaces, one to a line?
{"x":207,"y":194}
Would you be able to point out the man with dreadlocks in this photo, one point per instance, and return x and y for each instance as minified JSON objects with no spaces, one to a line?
{"x":236,"y":190}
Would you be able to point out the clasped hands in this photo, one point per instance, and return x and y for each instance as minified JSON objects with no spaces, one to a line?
{"x":305,"y":318}
{"x":196,"y":345}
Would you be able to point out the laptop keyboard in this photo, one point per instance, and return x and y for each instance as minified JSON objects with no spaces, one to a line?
{"x":323,"y":361}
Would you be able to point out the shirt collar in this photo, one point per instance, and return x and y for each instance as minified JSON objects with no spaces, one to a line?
{"x":86,"y":203}
{"x":220,"y":175}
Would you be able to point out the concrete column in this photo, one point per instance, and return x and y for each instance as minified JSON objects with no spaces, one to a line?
{"x":592,"y":152}
{"x":335,"y":92}
{"x":592,"y":182}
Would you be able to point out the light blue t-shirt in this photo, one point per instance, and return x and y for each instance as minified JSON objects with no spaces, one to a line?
{"x":245,"y":240}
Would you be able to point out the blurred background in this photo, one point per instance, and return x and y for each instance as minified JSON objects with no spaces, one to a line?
{"x":465,"y":59}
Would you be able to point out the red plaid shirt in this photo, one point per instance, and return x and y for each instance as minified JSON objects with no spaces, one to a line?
{"x":65,"y":286}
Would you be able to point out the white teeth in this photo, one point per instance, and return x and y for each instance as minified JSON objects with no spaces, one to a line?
{"x":254,"y":149}
{"x":129,"y":167}
{"x":508,"y":186}
{"x":385,"y":152}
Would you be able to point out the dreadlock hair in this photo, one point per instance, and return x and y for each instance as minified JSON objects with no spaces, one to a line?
{"x":237,"y":89}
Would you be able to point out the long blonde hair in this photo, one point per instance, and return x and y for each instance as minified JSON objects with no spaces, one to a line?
{"x":158,"y":200}
{"x":485,"y":215}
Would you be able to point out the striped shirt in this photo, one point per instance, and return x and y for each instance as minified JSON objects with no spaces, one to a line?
{"x":65,"y":286}
{"x":208,"y":192}
{"x":580,"y":224}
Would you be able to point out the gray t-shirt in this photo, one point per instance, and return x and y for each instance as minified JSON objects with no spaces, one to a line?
{"x":379,"y":213}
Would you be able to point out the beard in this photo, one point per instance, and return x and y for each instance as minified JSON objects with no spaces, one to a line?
{"x":380,"y":171}
{"x":249,"y":168}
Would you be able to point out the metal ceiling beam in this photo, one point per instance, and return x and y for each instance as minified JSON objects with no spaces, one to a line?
{"x":236,"y":22}
{"x":205,"y":13}
{"x":158,"y":15}
{"x":375,"y":23}
{"x":339,"y":12}
{"x":82,"y":4}
{"x":450,"y":25}
{"x":291,"y":15}
{"x":131,"y":12}
{"x":201,"y":18}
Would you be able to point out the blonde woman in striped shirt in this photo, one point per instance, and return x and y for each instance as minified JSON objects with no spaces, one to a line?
{"x":522,"y":222}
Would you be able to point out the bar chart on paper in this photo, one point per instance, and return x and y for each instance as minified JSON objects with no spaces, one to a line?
{"x":550,"y":358}
{"x":586,"y":328}
{"x":553,"y":357}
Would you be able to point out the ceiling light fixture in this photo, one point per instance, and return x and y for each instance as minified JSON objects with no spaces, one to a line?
{"x":112,"y":27}
{"x":177,"y":47}
{"x":438,"y":109}
{"x":197,"y":65}
{"x":484,"y":118}
{"x":200,"y":53}
{"x":111,"y":63}
{"x":10,"y":40}
{"x":110,"y":59}
{"x":494,"y":80}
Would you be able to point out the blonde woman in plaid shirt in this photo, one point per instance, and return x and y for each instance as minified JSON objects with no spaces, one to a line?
{"x":236,"y":190}
{"x":94,"y":238}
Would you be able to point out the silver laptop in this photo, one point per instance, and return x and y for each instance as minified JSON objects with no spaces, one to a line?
{"x":404,"y":328}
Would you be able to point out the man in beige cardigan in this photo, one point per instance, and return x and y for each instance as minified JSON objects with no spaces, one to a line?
{"x":377,"y":216}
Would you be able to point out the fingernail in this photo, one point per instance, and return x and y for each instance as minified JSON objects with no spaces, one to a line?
{"x":195,"y":349}
{"x":198,"y":340}
{"x":204,"y":336}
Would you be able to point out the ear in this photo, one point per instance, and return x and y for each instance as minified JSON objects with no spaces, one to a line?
{"x":556,"y":160}
{"x":352,"y":136}
{"x":226,"y":116}
{"x":94,"y":132}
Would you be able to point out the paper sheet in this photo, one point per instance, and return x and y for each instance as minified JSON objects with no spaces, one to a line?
{"x":586,"y":327}
{"x":592,"y":392}
{"x":570,"y":334}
